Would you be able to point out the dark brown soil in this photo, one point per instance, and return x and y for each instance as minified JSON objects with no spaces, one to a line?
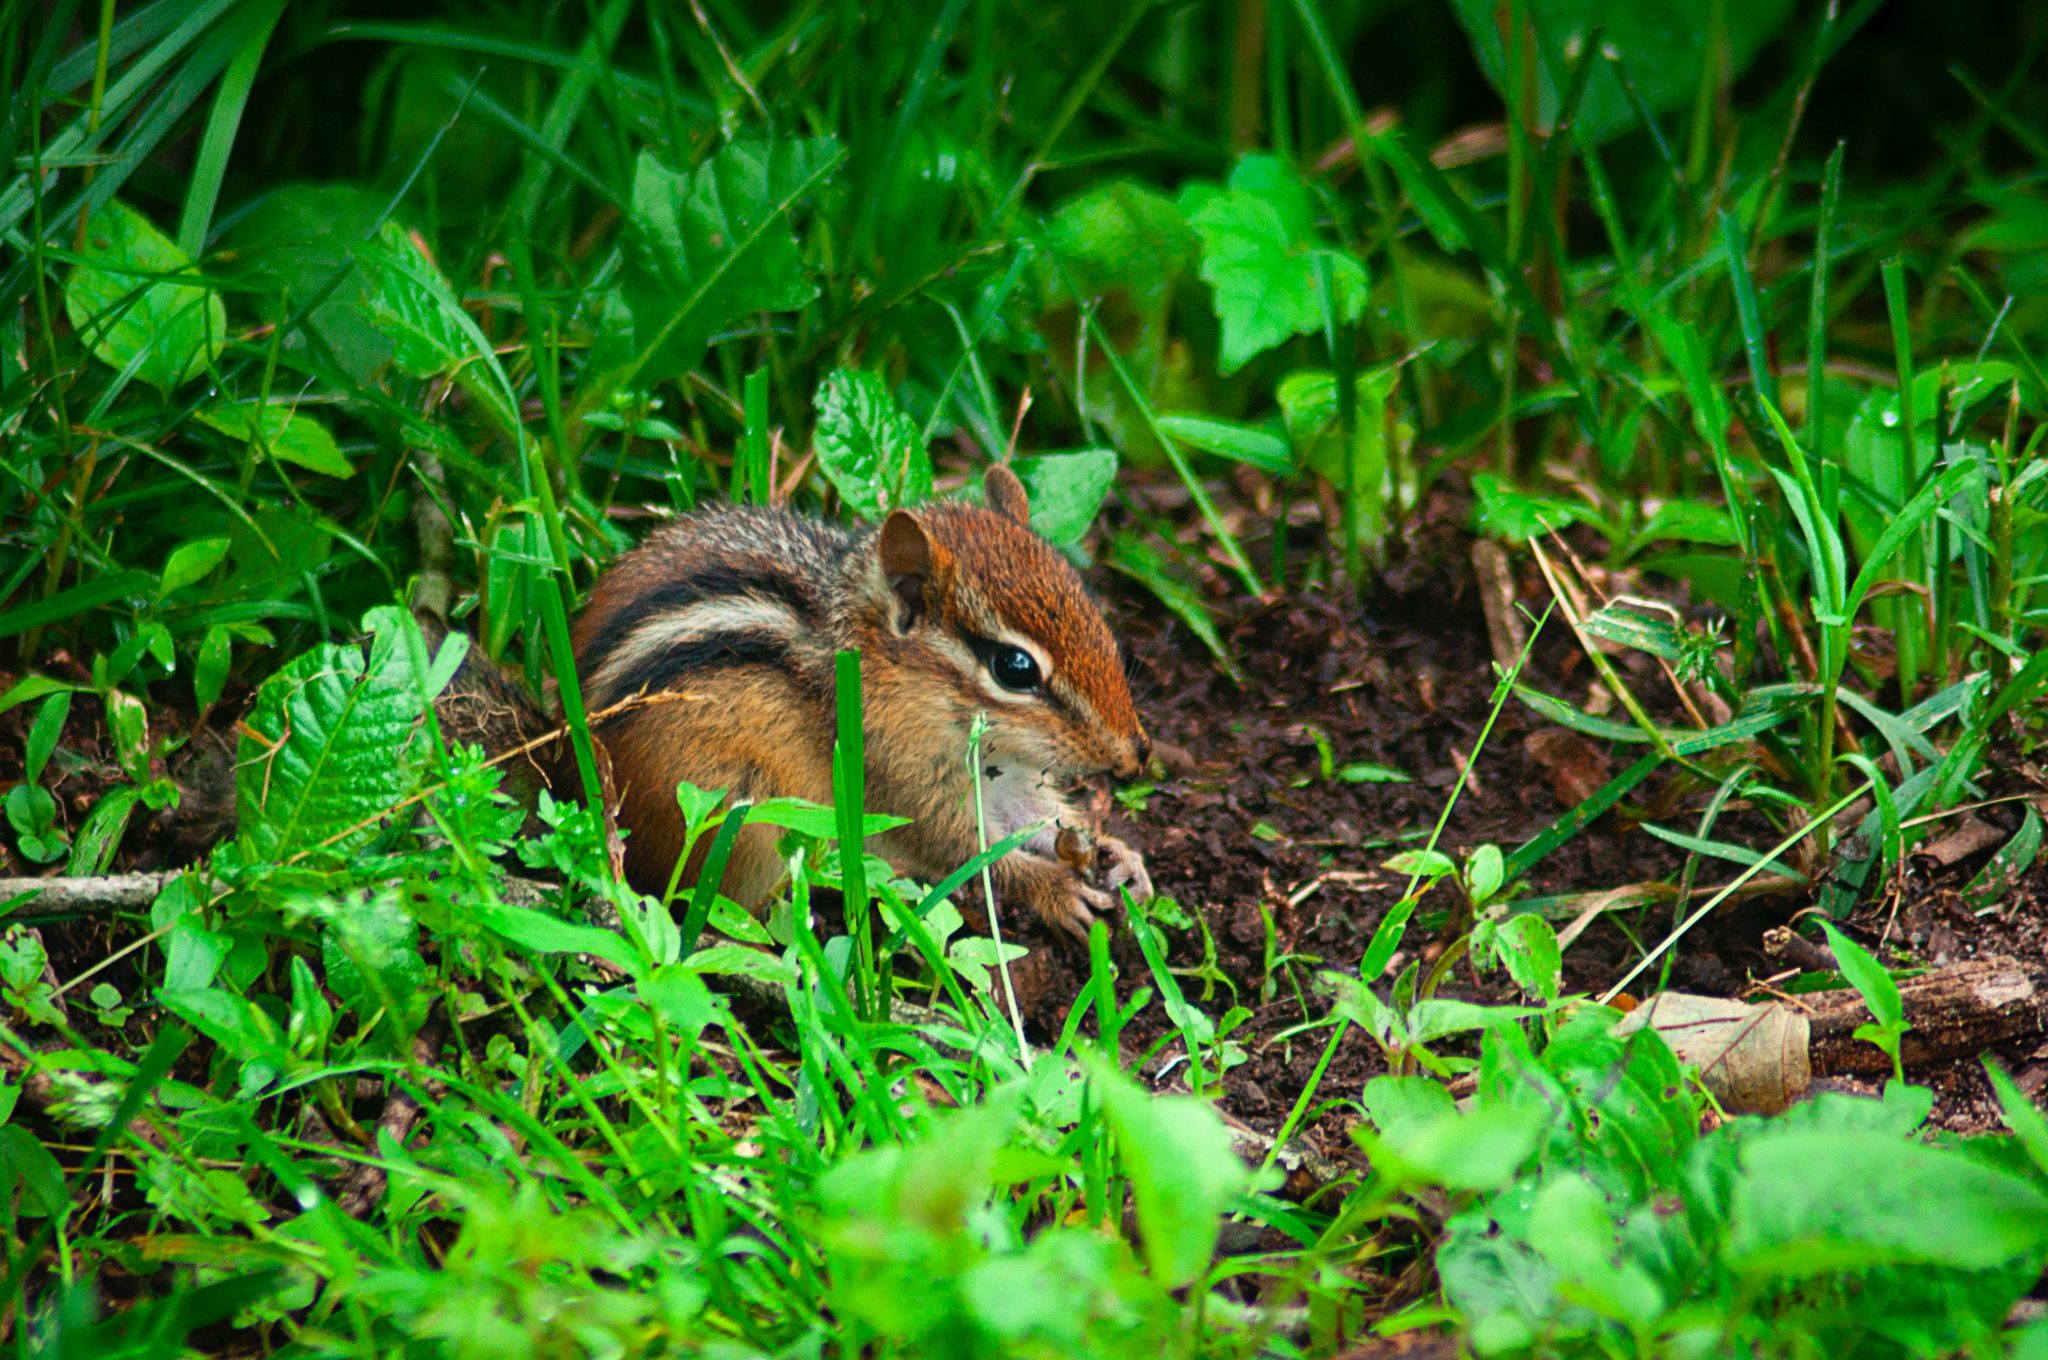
{"x":1245,"y":831}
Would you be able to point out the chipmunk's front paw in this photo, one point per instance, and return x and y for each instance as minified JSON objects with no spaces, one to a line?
{"x":1072,"y":906}
{"x":1123,"y":867}
{"x":1059,"y":894}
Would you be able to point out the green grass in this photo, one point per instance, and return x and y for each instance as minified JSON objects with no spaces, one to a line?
{"x":312,"y":311}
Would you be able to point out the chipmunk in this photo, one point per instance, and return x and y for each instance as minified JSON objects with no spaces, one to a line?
{"x":955,"y":609}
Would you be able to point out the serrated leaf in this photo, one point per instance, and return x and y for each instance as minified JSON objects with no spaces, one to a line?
{"x":167,"y":330}
{"x":286,"y":432}
{"x":1272,"y":279}
{"x":332,"y":740}
{"x":713,"y":245}
{"x":1066,"y":490}
{"x":412,"y":306}
{"x":869,"y":449}
{"x":1122,"y":237}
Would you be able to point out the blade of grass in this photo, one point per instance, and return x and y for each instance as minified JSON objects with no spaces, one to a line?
{"x":1679,"y":931}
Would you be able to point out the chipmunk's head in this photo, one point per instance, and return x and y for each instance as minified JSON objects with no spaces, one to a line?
{"x":1009,"y":629}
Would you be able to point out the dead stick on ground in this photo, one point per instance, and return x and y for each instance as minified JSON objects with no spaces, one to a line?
{"x":1956,"y":1012}
{"x":133,"y":892}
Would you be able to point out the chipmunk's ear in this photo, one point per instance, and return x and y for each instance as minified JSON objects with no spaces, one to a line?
{"x":1005,"y":494}
{"x":905,"y":552}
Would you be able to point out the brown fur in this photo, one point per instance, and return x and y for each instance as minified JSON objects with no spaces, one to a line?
{"x":748,"y":608}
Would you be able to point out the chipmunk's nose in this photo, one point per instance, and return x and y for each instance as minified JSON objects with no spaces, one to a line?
{"x":1140,"y":757}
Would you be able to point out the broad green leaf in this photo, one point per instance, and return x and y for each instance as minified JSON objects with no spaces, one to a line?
{"x":1427,"y":1143}
{"x":370,"y":953}
{"x":1183,"y":1172}
{"x":869,"y":449}
{"x":25,"y":1162}
{"x":1687,"y":522}
{"x":1066,"y":490}
{"x":190,"y":562}
{"x":331,"y":742}
{"x":100,"y":837}
{"x":1272,"y":278}
{"x":1259,"y":446}
{"x":44,"y":731}
{"x":284,"y":431}
{"x":1662,"y":44}
{"x":540,"y":933}
{"x":301,"y":243}
{"x":1527,"y":944}
{"x":237,"y":1024}
{"x":1811,"y":1202}
{"x":411,"y":304}
{"x":1653,"y":633}
{"x":713,"y":245}
{"x":1516,"y":516}
{"x":129,"y":314}
{"x":1308,"y":404}
{"x":1483,"y":874}
{"x":1121,"y":237}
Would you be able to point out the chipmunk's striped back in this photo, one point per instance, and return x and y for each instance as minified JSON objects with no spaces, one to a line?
{"x":713,"y":591}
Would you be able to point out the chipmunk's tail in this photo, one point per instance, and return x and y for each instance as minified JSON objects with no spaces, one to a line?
{"x":486,"y":705}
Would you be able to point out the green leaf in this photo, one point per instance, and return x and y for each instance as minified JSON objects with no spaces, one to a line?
{"x":370,"y":951}
{"x":1809,"y":1202}
{"x":1143,"y":563}
{"x":1272,"y":278}
{"x":44,"y":731}
{"x":1183,"y":1171}
{"x":411,"y":304}
{"x":237,"y":1024}
{"x":712,"y":246}
{"x":190,"y":562}
{"x":2022,"y":1115}
{"x":1877,"y":987}
{"x":1688,"y":522}
{"x":1424,"y":1141}
{"x":870,"y":451}
{"x":2002,"y":876}
{"x":1483,"y":874}
{"x":1663,"y":44}
{"x":1258,"y":446}
{"x":28,"y":1163}
{"x":129,"y":314}
{"x":301,"y":243}
{"x":1066,"y":490}
{"x":1516,"y":516}
{"x":540,"y":933}
{"x":284,"y":431}
{"x":1527,"y":944}
{"x":1365,"y":772}
{"x":210,"y":666}
{"x":331,"y":741}
{"x":1121,"y":237}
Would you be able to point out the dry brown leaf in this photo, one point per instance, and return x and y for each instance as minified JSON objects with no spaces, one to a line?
{"x":1753,"y":1058}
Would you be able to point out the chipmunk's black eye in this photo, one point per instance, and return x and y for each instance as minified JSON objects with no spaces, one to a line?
{"x":1014,"y":668}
